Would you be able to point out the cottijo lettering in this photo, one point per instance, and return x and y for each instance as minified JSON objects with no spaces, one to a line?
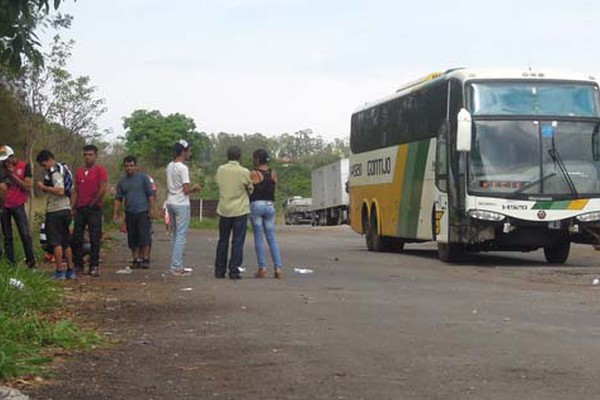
{"x":380,"y":166}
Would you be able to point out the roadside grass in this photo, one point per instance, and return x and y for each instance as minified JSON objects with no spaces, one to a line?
{"x":31,"y":325}
{"x":205,"y":224}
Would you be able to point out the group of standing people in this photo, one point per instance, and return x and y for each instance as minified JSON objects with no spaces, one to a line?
{"x":79,"y":198}
{"x":69,"y":197}
{"x":241,"y":193}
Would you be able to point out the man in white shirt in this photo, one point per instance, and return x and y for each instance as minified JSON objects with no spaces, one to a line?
{"x":178,"y":204}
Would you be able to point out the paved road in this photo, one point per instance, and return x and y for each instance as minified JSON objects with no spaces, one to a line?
{"x":361,"y":326}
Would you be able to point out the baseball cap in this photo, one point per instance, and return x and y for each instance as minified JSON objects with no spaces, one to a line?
{"x":5,"y":152}
{"x":183,"y":143}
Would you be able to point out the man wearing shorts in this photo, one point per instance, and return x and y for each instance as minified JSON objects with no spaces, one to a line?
{"x":58,"y":212}
{"x":136,"y":191}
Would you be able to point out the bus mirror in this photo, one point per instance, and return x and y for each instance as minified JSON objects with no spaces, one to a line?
{"x":464,"y":131}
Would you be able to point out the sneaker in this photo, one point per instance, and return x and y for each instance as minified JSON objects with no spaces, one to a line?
{"x":60,"y":275}
{"x":261,"y":273}
{"x":135,"y":264}
{"x":145,"y":264}
{"x":235,"y":276}
{"x":94,"y":272}
{"x":180,"y":272}
{"x":70,"y":274}
{"x":278,"y":273}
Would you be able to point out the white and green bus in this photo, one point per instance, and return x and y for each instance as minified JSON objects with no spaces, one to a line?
{"x":479,"y":161}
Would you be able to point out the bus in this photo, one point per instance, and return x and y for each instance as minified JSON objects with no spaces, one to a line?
{"x":479,"y":160}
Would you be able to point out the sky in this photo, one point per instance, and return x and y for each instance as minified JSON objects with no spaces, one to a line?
{"x":279,"y":66}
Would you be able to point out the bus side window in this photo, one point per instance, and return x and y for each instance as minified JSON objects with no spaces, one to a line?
{"x":441,"y":159}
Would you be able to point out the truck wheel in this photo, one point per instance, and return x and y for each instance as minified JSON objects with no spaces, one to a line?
{"x":558,"y":252}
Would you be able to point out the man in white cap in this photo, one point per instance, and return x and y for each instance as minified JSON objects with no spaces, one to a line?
{"x":179,"y":189}
{"x":15,"y":185}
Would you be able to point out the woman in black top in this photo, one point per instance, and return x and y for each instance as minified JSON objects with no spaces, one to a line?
{"x":262,"y":213}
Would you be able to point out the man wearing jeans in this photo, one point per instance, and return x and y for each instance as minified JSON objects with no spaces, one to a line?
{"x":16,"y":184}
{"x":87,"y":201}
{"x":235,"y":186}
{"x":178,"y":204}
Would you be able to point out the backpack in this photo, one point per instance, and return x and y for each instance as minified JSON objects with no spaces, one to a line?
{"x":65,"y":171}
{"x":68,"y":177}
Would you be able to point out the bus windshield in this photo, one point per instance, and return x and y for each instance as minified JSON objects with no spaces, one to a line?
{"x":520,"y":158}
{"x":534,"y":98}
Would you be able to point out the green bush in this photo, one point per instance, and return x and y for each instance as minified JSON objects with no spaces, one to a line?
{"x":26,"y":330}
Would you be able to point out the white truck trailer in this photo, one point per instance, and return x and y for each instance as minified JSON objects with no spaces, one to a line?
{"x":329,"y":193}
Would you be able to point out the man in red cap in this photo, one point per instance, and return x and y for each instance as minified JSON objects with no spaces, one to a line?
{"x":15,"y":185}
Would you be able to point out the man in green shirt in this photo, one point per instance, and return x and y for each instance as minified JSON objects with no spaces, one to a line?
{"x":235,"y":186}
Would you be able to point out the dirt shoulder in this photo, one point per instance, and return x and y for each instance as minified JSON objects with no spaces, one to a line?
{"x":360,"y":326}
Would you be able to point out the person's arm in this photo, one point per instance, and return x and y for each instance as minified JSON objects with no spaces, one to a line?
{"x":274,"y":176}
{"x":151,"y":196}
{"x":74,"y":195}
{"x":59,"y":186}
{"x":103,"y":186}
{"x":248,"y":183}
{"x":117,"y":204}
{"x":3,"y":186}
{"x":188,"y":188}
{"x":101,"y":192}
{"x":24,"y":183}
{"x":116,"y":210}
{"x":256,"y":177}
{"x":152,"y":200}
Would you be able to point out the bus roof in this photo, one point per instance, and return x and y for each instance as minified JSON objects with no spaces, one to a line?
{"x":466,"y":74}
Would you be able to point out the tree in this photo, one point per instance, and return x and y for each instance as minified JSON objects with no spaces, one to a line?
{"x":18,"y":21}
{"x":58,"y":108}
{"x":151,"y":136}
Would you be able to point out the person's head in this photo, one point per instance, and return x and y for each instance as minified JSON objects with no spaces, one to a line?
{"x":183,"y":150}
{"x":45,"y":158}
{"x":130,"y":165}
{"x":234,"y":153}
{"x":89,"y":154}
{"x":7,"y":155}
{"x":260,"y":157}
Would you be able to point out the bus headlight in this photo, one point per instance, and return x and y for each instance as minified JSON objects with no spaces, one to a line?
{"x":486,"y":215}
{"x":589,"y":217}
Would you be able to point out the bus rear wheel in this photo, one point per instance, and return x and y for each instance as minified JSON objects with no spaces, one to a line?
{"x":376,"y":242}
{"x":372,"y":238}
{"x":558,"y":252}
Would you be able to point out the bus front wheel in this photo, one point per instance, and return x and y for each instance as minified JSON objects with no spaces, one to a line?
{"x":450,"y":252}
{"x":558,"y":252}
